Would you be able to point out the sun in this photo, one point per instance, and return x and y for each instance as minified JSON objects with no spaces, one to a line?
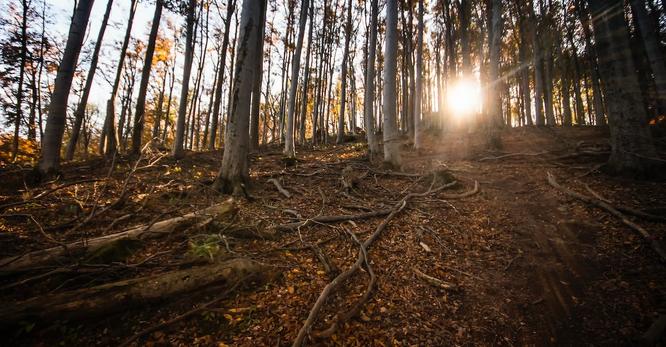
{"x":464,"y":98}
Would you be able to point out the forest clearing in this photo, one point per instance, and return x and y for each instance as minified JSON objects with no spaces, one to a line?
{"x":332,"y":172}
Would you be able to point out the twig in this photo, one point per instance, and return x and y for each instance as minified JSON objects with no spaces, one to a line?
{"x":510,"y":155}
{"x":463,"y":195}
{"x":434,"y":281}
{"x":47,"y":192}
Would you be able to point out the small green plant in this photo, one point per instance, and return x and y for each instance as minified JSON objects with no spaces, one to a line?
{"x":205,"y":246}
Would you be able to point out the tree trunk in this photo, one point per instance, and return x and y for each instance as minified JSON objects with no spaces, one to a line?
{"x":55,"y":123}
{"x":494,"y":110}
{"x":177,"y":151}
{"x":289,"y":150}
{"x":256,"y":92}
{"x":343,"y":76}
{"x":369,"y":95}
{"x":118,"y":296}
{"x":231,"y":4}
{"x":81,"y":108}
{"x":653,"y":50}
{"x":418,"y":90}
{"x":391,"y":134}
{"x":593,"y":65}
{"x":538,"y":67}
{"x":108,"y":139}
{"x":233,"y":174}
{"x":19,"y":92}
{"x":306,"y":78}
{"x":633,"y":152}
{"x":139,"y":120}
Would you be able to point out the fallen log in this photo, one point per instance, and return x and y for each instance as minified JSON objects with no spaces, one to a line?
{"x":89,"y":246}
{"x":612,"y":210}
{"x":119,"y":296}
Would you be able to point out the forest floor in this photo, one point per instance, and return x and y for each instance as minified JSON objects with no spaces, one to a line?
{"x":530,"y":265}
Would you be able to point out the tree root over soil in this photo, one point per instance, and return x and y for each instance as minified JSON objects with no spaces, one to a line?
{"x":614,"y":211}
{"x":84,"y":247}
{"x":332,"y":286}
{"x":121,"y":295}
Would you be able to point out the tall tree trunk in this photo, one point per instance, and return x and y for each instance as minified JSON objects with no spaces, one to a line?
{"x":18,"y":116}
{"x":391,"y":134}
{"x":525,"y":68}
{"x":177,"y":151}
{"x":653,"y":50}
{"x":343,"y":76}
{"x":494,"y":111}
{"x":55,"y":123}
{"x":465,"y":14}
{"x":139,"y":120}
{"x":369,"y":95}
{"x":633,"y":152}
{"x":418,"y":90}
{"x":593,"y":65}
{"x":289,"y":150}
{"x":81,"y":108}
{"x":256,"y":92}
{"x":109,"y":140}
{"x":538,"y":67}
{"x":306,"y":78}
{"x":231,"y":4}
{"x":233,"y":174}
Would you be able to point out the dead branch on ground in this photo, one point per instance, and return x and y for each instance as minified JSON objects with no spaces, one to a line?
{"x":433,"y":281}
{"x":279,"y":187}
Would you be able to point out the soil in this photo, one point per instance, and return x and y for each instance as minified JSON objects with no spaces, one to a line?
{"x":531,"y":265}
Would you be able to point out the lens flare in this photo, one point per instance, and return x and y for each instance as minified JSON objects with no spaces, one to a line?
{"x":464,"y":98}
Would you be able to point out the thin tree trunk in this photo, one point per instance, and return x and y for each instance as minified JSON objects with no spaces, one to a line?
{"x":139,"y":120}
{"x":418,"y":91}
{"x":231,"y":4}
{"x":369,"y":95}
{"x":18,"y":116}
{"x":177,"y":151}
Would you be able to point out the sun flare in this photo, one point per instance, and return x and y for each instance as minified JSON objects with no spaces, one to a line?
{"x":464,"y":98}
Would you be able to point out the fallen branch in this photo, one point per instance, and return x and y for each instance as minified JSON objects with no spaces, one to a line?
{"x":433,"y":281}
{"x":332,"y":219}
{"x":88,"y":246}
{"x":119,"y":296}
{"x":612,"y":210}
{"x":279,"y":187}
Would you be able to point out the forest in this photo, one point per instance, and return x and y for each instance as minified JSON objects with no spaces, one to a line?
{"x":333,"y":172}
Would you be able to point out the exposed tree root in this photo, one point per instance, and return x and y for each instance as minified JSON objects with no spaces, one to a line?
{"x":342,"y":277}
{"x":343,"y":317}
{"x":84,"y":247}
{"x":332,"y":219}
{"x":462,"y":195}
{"x":511,"y":155}
{"x":279,"y":187}
{"x":119,"y":296}
{"x":626,"y":209}
{"x":612,"y":210}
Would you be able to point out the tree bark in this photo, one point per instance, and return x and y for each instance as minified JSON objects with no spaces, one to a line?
{"x":369,"y":95}
{"x":418,"y":90}
{"x":289,"y":150}
{"x":177,"y":151}
{"x":55,"y":123}
{"x":139,"y":120}
{"x":633,"y":151}
{"x":391,"y":134}
{"x":233,"y":174}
